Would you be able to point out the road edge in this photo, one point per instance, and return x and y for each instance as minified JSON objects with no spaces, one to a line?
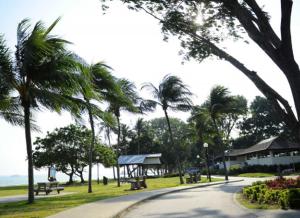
{"x":121,"y":213}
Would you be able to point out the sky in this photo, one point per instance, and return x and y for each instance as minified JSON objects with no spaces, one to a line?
{"x":132,"y":44}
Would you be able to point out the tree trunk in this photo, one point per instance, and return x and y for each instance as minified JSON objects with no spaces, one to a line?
{"x":109,"y":144}
{"x":294,"y":82}
{"x":114,"y":173}
{"x":70,"y":178}
{"x":91,"y":149}
{"x":81,"y":178}
{"x":173,"y":145}
{"x":222,"y":148}
{"x":118,"y":151}
{"x":139,"y":141}
{"x":118,"y":175}
{"x":29,"y":153}
{"x":280,"y":104}
{"x":224,"y":165}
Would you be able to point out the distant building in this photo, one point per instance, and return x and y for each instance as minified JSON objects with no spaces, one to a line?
{"x":272,"y":151}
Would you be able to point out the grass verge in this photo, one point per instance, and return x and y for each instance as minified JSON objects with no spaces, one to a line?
{"x":13,"y":190}
{"x":246,"y":203}
{"x":256,"y":175}
{"x":48,"y":206}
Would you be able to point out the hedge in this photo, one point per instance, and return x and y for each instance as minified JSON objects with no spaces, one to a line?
{"x":263,"y":193}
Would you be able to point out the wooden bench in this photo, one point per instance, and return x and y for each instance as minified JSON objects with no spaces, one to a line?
{"x":137,"y":184}
{"x":48,"y":187}
{"x":193,"y":179}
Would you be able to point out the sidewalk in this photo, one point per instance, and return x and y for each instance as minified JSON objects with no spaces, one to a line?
{"x":16,"y":198}
{"x":114,"y":207}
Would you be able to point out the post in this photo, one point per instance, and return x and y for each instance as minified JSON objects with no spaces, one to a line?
{"x":205,"y":145}
{"x":118,"y":175}
{"x":97,"y":158}
{"x":98,"y":181}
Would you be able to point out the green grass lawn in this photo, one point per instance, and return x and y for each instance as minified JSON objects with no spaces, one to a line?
{"x":246,"y":203}
{"x":13,"y":190}
{"x":47,"y":206}
{"x":256,"y":175}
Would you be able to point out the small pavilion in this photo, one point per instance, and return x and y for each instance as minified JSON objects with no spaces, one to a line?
{"x":138,"y":165}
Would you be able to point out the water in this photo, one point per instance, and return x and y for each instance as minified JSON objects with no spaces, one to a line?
{"x":41,"y":176}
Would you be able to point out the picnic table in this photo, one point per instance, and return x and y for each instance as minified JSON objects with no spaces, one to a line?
{"x":48,"y":187}
{"x":193,"y":178}
{"x":138,"y":183}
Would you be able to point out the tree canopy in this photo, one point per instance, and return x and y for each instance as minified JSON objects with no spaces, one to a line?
{"x":261,"y":123}
{"x":202,"y":26}
{"x":67,"y":149}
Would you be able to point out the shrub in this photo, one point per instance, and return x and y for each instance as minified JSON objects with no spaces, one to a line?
{"x":283,"y":199}
{"x":284,"y":192}
{"x":294,"y":198}
{"x":234,"y":170}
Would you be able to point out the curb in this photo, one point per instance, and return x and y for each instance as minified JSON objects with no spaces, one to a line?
{"x":121,"y":213}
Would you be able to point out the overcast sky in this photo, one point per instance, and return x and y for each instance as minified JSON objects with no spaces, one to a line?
{"x":131,"y":43}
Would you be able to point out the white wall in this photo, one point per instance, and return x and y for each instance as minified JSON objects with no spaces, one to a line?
{"x":274,"y":160}
{"x":283,"y":160}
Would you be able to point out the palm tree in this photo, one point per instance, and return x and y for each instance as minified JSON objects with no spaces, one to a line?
{"x":139,"y":126}
{"x":219,"y":103}
{"x":42,"y":75}
{"x":172,"y":94}
{"x":127,"y":101}
{"x":103,"y":86}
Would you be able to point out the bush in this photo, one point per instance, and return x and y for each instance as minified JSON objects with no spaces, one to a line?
{"x":279,"y":191}
{"x":294,"y":198}
{"x":235,"y":170}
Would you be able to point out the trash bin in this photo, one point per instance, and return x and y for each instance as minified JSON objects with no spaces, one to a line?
{"x":105,"y":180}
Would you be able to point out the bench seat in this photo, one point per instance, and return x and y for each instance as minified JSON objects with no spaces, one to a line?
{"x":48,"y":187}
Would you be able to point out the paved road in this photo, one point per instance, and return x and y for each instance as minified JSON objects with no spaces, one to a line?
{"x":213,"y":201}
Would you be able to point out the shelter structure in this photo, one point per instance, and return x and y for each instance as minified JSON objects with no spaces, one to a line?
{"x":272,"y":151}
{"x":139,"y":165}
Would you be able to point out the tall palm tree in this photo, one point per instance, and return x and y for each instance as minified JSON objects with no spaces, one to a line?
{"x":172,"y":94}
{"x":127,"y":101}
{"x":218,"y":104}
{"x":103,"y":86}
{"x":42,"y":75}
{"x":139,"y":126}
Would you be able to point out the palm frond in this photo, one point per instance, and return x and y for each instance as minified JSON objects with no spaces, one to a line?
{"x":151,"y":88}
{"x":51,"y":27}
{"x":172,"y":93}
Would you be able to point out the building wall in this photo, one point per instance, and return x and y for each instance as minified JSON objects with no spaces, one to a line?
{"x":274,"y":160}
{"x":283,"y":160}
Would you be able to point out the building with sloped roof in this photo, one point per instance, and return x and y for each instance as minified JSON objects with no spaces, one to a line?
{"x":138,"y":165}
{"x":272,"y":151}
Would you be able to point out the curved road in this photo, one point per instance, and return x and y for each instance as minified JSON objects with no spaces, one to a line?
{"x":212,"y":201}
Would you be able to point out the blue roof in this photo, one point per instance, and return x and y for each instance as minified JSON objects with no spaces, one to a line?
{"x":138,"y":159}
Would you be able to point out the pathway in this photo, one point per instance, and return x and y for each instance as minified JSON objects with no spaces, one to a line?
{"x":16,"y":198}
{"x":114,"y":207}
{"x":212,"y":201}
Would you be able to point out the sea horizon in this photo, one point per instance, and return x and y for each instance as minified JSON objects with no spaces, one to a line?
{"x":42,"y":176}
